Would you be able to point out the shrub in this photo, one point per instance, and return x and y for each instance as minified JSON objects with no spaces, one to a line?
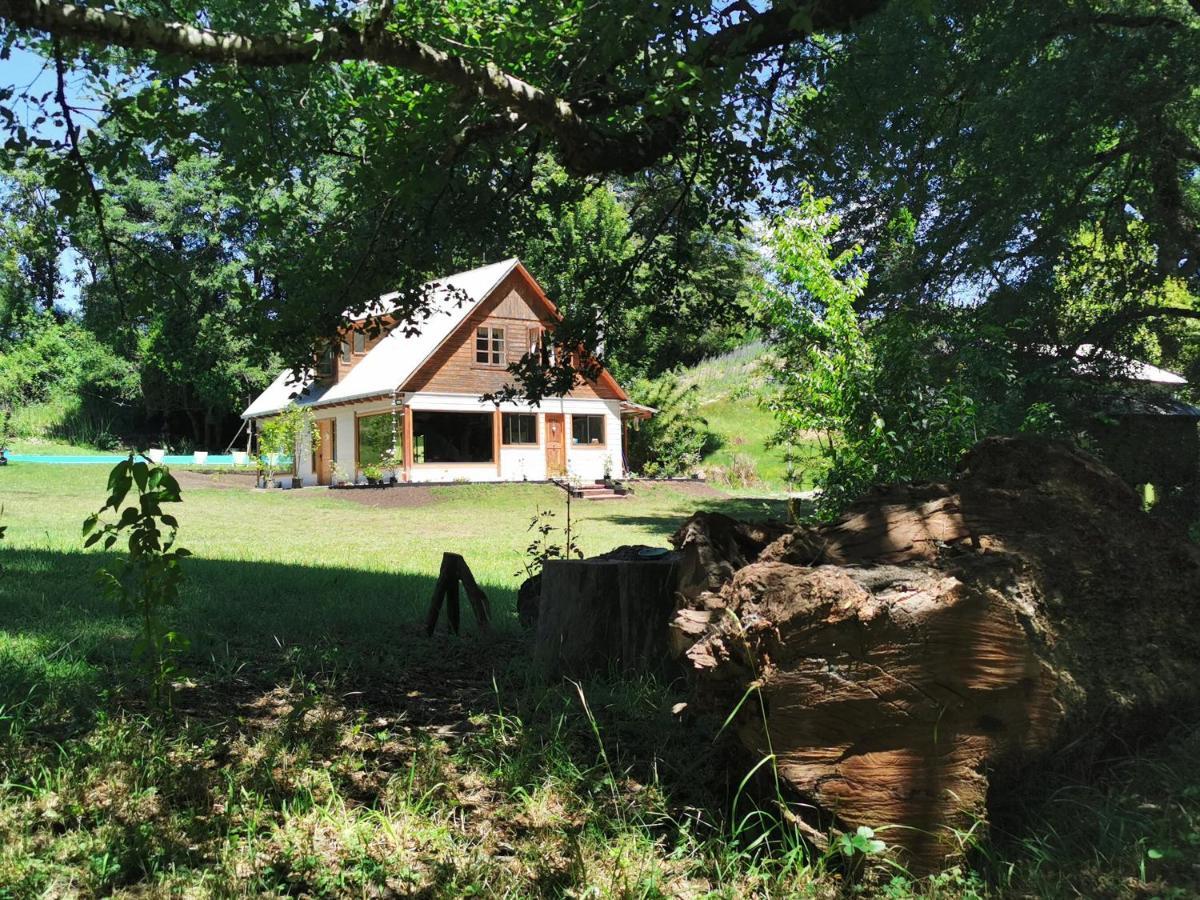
{"x":742,"y":471}
{"x":892,"y":398}
{"x":672,"y":442}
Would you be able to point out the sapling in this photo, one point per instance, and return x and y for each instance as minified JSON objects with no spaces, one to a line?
{"x":145,"y":581}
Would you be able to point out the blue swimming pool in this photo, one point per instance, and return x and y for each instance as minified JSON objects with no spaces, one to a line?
{"x":214,"y":459}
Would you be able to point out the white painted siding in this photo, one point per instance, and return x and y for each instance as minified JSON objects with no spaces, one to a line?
{"x":524,"y":463}
{"x":588,"y":463}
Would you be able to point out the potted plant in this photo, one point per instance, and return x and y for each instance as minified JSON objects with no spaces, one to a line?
{"x":373,"y":474}
{"x":340,"y":477}
{"x":391,"y":465}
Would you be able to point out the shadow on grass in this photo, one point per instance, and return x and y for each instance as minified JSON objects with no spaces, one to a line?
{"x":250,"y":621}
{"x":751,"y":509}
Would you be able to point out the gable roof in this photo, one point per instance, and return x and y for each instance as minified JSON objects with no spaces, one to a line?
{"x":399,"y":356}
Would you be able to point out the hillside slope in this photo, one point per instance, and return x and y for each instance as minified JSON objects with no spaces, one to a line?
{"x":731,"y":388}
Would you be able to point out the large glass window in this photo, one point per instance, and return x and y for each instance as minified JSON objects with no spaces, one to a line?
{"x":376,"y":439}
{"x":587,"y":430}
{"x":519,"y":428}
{"x":489,"y":346}
{"x":445,"y":437}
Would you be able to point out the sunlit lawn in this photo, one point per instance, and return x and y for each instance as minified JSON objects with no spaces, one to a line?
{"x":279,"y":568}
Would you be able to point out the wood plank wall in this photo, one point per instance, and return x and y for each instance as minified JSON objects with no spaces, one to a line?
{"x":513,"y":307}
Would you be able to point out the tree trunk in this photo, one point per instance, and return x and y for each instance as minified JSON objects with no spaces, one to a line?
{"x":932,"y":649}
{"x":603,"y":613}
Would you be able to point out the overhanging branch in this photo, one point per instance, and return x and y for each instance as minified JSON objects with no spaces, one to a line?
{"x":586,"y":147}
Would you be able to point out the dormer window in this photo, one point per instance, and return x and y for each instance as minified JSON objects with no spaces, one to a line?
{"x":346,"y":352}
{"x":325,"y":363}
{"x":489,"y":346}
{"x":360,"y":342}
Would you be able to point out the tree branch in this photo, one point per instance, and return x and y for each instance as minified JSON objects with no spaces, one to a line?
{"x":76,"y":156}
{"x":586,"y":147}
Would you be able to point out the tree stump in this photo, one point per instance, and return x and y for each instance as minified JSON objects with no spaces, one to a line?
{"x":605,"y":613}
{"x":919,"y":658}
{"x":455,"y":571}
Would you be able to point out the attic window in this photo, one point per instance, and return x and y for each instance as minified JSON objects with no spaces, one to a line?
{"x":346,"y":352}
{"x":360,"y":342}
{"x":325,"y":363}
{"x":489,"y":346}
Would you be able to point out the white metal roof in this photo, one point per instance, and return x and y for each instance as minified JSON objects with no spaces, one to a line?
{"x":397,"y":357}
{"x":281,"y":392}
{"x":1131,"y":369}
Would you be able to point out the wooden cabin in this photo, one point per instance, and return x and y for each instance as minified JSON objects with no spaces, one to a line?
{"x":412,"y":396}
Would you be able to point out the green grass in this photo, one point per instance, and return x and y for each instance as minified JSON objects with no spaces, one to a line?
{"x":323,"y":746}
{"x":731,"y":389}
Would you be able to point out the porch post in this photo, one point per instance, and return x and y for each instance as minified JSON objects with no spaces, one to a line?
{"x":408,"y":441}
{"x":496,"y":437}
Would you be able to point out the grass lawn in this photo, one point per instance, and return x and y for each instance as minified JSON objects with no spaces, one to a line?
{"x":323,"y":746}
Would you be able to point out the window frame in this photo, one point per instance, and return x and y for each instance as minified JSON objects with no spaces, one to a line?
{"x":496,"y":357}
{"x":419,"y":457}
{"x":397,"y":436}
{"x":603,"y":430}
{"x":505,"y":442}
{"x":327,"y":363}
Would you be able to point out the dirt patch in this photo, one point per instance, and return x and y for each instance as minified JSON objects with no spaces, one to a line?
{"x":400,"y":496}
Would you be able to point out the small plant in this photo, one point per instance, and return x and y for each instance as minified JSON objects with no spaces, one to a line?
{"x":543,"y":547}
{"x":373,"y":473}
{"x":145,"y":582}
{"x":340,"y":475}
{"x":608,"y":469}
{"x":6,"y":430}
{"x":861,"y":842}
{"x":742,"y":471}
{"x":391,"y":462}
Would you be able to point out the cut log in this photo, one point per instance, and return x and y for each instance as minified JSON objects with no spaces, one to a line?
{"x":606,"y":613}
{"x":713,"y":546}
{"x":940,"y":643}
{"x":455,"y":571}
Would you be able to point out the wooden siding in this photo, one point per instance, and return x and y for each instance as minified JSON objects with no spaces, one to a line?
{"x":514,"y":307}
{"x":342,"y":369}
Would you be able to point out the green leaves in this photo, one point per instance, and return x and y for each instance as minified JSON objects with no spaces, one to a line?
{"x":862,"y":841}
{"x":145,"y":582}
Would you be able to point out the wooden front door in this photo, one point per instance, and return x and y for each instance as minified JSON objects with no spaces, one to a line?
{"x":324,"y":460}
{"x":556,"y":445}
